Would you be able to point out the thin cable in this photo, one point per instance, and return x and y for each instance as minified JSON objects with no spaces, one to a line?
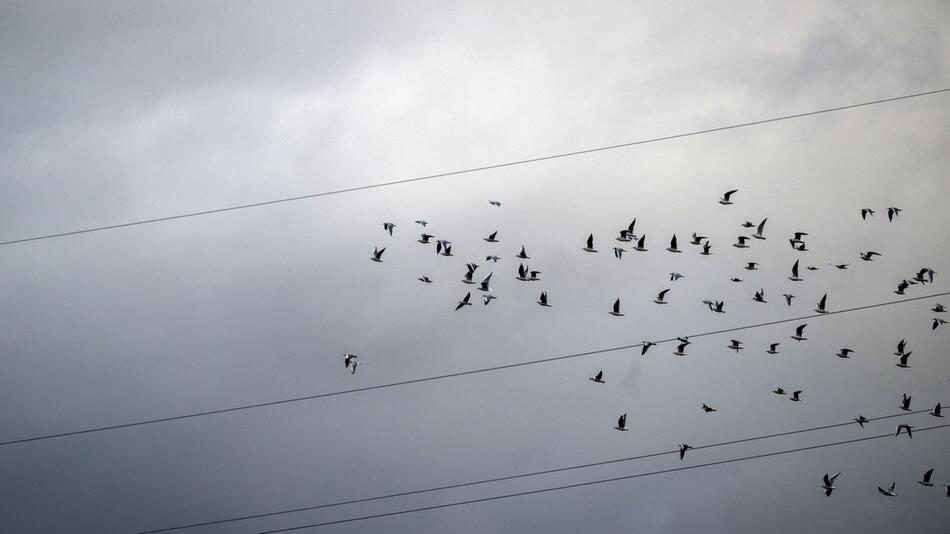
{"x":521,"y":475}
{"x":452,"y":375}
{"x":593,"y":482}
{"x":472,"y":169}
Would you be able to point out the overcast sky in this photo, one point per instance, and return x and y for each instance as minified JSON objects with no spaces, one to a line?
{"x":111,"y":112}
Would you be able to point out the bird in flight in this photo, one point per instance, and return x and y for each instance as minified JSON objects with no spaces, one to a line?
{"x":641,"y":244}
{"x":707,"y":408}
{"x":860,"y":419}
{"x":543,"y":300}
{"x":905,"y":402}
{"x":844,"y":353}
{"x":697,"y":239}
{"x":893,"y":212}
{"x":483,"y":286}
{"x":841,"y":266}
{"x":681,"y":349}
{"x":751,"y":266}
{"x":422,"y":222}
{"x":794,"y":277}
{"x":821,"y":304}
{"x":672,"y":247}
{"x":683,"y":448}
{"x":828,"y":483}
{"x":646,"y":346}
{"x":727,"y":196}
{"x":590,"y":244}
{"x":465,"y":301}
{"x":888,"y":492}
{"x":388,"y":226}
{"x":939,"y":308}
{"x":735,"y":345}
{"x":493,"y":259}
{"x":495,"y":203}
{"x":470,"y":273}
{"x":865,"y":212}
{"x":759,"y":296}
{"x":800,"y":333}
{"x":796,"y":395}
{"x":869,"y":255}
{"x":706,"y":247}
{"x":773,"y":348}
{"x":937,"y":322}
{"x":904,"y":426}
{"x":378,"y":254}
{"x":615,"y":311}
{"x":599,"y":378}
{"x":492,"y":237}
{"x":424,"y":238}
{"x":903,"y":360}
{"x":778,"y":391}
{"x":618,"y":253}
{"x":741,"y":242}
{"x":734,"y":279}
{"x":760,"y":229}
{"x":788,"y":298}
{"x":622,"y":423}
{"x":925,"y":480}
{"x":660,"y":296}
{"x":425,"y":279}
{"x":936,"y":411}
{"x":488,"y":297}
{"x":675,"y":276}
{"x":351,"y":362}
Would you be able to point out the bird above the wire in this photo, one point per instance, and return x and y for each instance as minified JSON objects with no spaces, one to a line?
{"x":590,"y":244}
{"x":660,"y":296}
{"x":821,"y":304}
{"x":672,"y":247}
{"x":828,"y":483}
{"x":351,"y":362}
{"x":936,"y":411}
{"x":683,"y":448}
{"x":378,"y":254}
{"x":905,"y":402}
{"x":727,"y":197}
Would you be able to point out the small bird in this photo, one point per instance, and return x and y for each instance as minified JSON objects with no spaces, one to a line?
{"x":925,"y":480}
{"x":905,"y":402}
{"x":828,"y":483}
{"x":533,"y":276}
{"x":641,"y":244}
{"x":706,"y":247}
{"x":422,"y":222}
{"x":799,"y":333}
{"x":495,"y":203}
{"x":707,"y":408}
{"x":469,"y":274}
{"x":869,"y":255}
{"x":493,"y":259}
{"x":590,"y":244}
{"x":901,"y":345}
{"x":865,"y":212}
{"x":599,"y":378}
{"x":735,"y":345}
{"x":893,"y":212}
{"x":843,"y":353}
{"x":794,"y":277}
{"x":424,"y":238}
{"x":939,"y":308}
{"x":675,"y":276}
{"x":734,"y":279}
{"x":760,"y":229}
{"x":618,"y":253}
{"x":378,"y":254}
{"x":388,"y":226}
{"x":680,"y":349}
{"x":672,"y":247}
{"x":937,"y":322}
{"x":946,"y":489}
{"x":615,"y":311}
{"x":904,"y":426}
{"x":778,"y":391}
{"x":795,"y":395}
{"x":488,"y":297}
{"x":523,"y":255}
{"x":759,"y":296}
{"x":748,"y":224}
{"x":860,"y":419}
{"x":684,"y":339}
{"x":543,"y":300}
{"x":697,"y":239}
{"x":483,"y":285}
{"x":751,"y":266}
{"x":523,"y":273}
{"x":888,"y":492}
{"x":773,"y":348}
{"x":465,"y":301}
{"x":683,"y":448}
{"x":725,"y":200}
{"x":646,"y":347}
{"x":812,"y":268}
{"x":622,"y":423}
{"x":660,"y":296}
{"x":903,"y":360}
{"x":447,"y":250}
{"x":492,"y":237}
{"x":351,"y":362}
{"x":821,"y":304}
{"x":902,"y":286}
{"x":798,"y":237}
{"x":936,"y":411}
{"x":841,"y":266}
{"x":425,"y":279}
{"x":788,"y":298}
{"x":741,"y":243}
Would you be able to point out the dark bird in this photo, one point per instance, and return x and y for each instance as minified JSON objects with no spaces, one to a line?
{"x":483,"y":285}
{"x":798,"y":236}
{"x":937,"y":322}
{"x":446,"y":250}
{"x":488,"y":297}
{"x":734,"y":279}
{"x":893,"y":212}
{"x":759,"y":296}
{"x":760,"y":229}
{"x":590,"y":244}
{"x":425,"y":279}
{"x":641,"y":244}
{"x":646,"y":347}
{"x":925,"y":480}
{"x":492,"y":237}
{"x":795,"y":395}
{"x":903,"y":360}
{"x":828,"y":483}
{"x":735,"y":345}
{"x":798,"y":245}
{"x":788,"y":298}
{"x":622,"y":423}
{"x":467,"y":279}
{"x":523,"y":255}
{"x":422,"y":222}
{"x":946,"y":489}
{"x":773,"y":348}
{"x":901,"y":345}
{"x":939,"y":308}
{"x":725,"y":200}
{"x":544,"y":300}
{"x":708,"y":409}
{"x":748,"y":224}
{"x":675,"y":276}
{"x":493,"y":259}
{"x":865,"y":212}
{"x":388,"y":226}
{"x":905,"y":402}
{"x":618,"y":253}
{"x":869,"y":255}
{"x":424,"y":238}
{"x":936,"y":411}
{"x":599,"y":378}
{"x":778,"y":391}
{"x":888,"y":492}
{"x":821,"y":304}
{"x":812,"y":268}
{"x":861,"y":420}
{"x":615,"y":311}
{"x":660,"y":296}
{"x":844,"y":353}
{"x":751,"y":266}
{"x":925,"y":275}
{"x":680,"y":349}
{"x":351,"y":362}
{"x":523,"y":273}
{"x":902,"y":286}
{"x":706,"y":248}
{"x":465,"y":301}
{"x":683,"y":448}
{"x":697,"y":239}
{"x":378,"y":254}
{"x":672,"y":247}
{"x":495,"y":203}
{"x":794,"y":277}
{"x":800,"y":333}
{"x":741,"y":243}
{"x":904,"y":426}
{"x":841,"y":266}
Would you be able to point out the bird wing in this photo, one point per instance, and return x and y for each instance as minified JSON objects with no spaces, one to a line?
{"x":590,"y":241}
{"x":729,"y":194}
{"x":617,"y":306}
{"x":673,"y":242}
{"x":662,"y":294}
{"x":761,"y":226}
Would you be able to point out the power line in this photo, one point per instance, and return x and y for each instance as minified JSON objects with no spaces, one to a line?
{"x":521,"y":475}
{"x":593,"y":482}
{"x":451,"y":375}
{"x":473,"y":169}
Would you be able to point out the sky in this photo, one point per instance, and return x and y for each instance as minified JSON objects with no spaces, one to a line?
{"x":119,"y":111}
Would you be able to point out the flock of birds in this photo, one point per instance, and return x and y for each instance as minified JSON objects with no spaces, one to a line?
{"x":924,"y":275}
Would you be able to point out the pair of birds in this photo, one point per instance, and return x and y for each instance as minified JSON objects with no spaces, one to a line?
{"x":796,"y":395}
{"x":467,"y":299}
{"x":891,"y":213}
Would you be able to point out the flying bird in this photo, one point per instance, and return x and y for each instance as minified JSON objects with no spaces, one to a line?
{"x":904,"y":426}
{"x":937,"y":322}
{"x":523,"y":255}
{"x":773,"y":348}
{"x":660,"y":296}
{"x":903,"y":360}
{"x":860,"y":419}
{"x":469,"y":274}
{"x":734,"y":279}
{"x":865,"y":212}
{"x":675,"y":276}
{"x":615,"y":311}
{"x":799,"y":333}
{"x":741,"y":243}
{"x":902,"y":286}
{"x":936,"y":411}
{"x":672,"y":247}
{"x":618,"y":253}
{"x":493,"y":259}
{"x":492,"y":237}
{"x":495,"y":203}
{"x":893,"y":212}
{"x":622,"y":423}
{"x":795,"y":395}
{"x":748,"y":224}
{"x":901,"y":345}
{"x":794,"y":277}
{"x":869,"y":255}
{"x":841,"y":266}
{"x":759,"y":296}
{"x":424,"y":238}
{"x":465,"y":301}
{"x":488,"y":297}
{"x":646,"y":347}
{"x":599,"y":378}
{"x":760,"y":229}
{"x":425,"y":279}
{"x":925,"y":480}
{"x":888,"y":492}
{"x":778,"y":391}
{"x":544,"y":300}
{"x":788,"y":298}
{"x":697,"y":239}
{"x":706,"y":247}
{"x":751,"y":266}
{"x":828,"y":483}
{"x":641,"y":244}
{"x":422,"y":222}
{"x":523,"y":273}
{"x":726,"y":197}
{"x":388,"y":226}
{"x":680,"y":349}
{"x":351,"y":362}
{"x":905,"y":402}
{"x":707,"y":408}
{"x":683,"y":448}
{"x":939,"y":308}
{"x":590,"y":244}
{"x":821,"y":304}
{"x":378,"y":254}
{"x":735,"y":345}
{"x":844,"y":353}
{"x":483,"y":285}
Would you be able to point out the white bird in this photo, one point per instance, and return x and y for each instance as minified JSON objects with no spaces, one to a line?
{"x":641,"y":244}
{"x":422,"y":222}
{"x":901,"y":345}
{"x":903,"y":360}
{"x":533,"y":276}
{"x":799,"y":333}
{"x":483,"y":286}
{"x":936,"y":411}
{"x":543,"y":300}
{"x":925,"y":480}
{"x":442,"y":244}
{"x":615,"y":311}
{"x":660,"y":296}
{"x":675,"y":276}
{"x":828,"y":483}
{"x":590,"y":244}
{"x":627,"y":233}
{"x":672,"y":247}
{"x":523,"y":255}
{"x":794,"y":277}
{"x":388,"y":226}
{"x":599,"y":378}
{"x":523,"y":273}
{"x":893,"y":212}
{"x":821,"y":304}
{"x":465,"y":301}
{"x":622,"y":423}
{"x":725,"y":200}
{"x":492,"y":237}
{"x":378,"y":254}
{"x":470,"y":273}
{"x":795,"y":395}
{"x":904,"y":426}
{"x":351,"y":362}
{"x":844,"y":353}
{"x":905,"y":402}
{"x":773,"y":348}
{"x":495,"y":203}
{"x":447,"y":250}
{"x":888,"y":492}
{"x":761,"y":228}
{"x":735,"y":345}
{"x":759,"y":296}
{"x":488,"y":297}
{"x":741,"y":242}
{"x":424,"y":238}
